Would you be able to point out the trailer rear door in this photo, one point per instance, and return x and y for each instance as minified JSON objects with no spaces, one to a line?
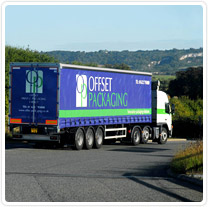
{"x":34,"y":93}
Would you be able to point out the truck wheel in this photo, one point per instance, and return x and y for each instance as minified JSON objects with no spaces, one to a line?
{"x":89,"y":138}
{"x":145,"y":135}
{"x":79,"y":139}
{"x":99,"y":136}
{"x":135,"y":136}
{"x":164,"y":136}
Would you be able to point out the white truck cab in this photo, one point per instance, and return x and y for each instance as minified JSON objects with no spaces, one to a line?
{"x":161,"y":114}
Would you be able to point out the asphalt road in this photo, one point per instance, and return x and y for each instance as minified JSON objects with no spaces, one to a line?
{"x":114,"y":173}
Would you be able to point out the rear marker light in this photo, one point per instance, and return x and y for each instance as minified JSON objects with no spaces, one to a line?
{"x":52,"y":122}
{"x":14,"y":121}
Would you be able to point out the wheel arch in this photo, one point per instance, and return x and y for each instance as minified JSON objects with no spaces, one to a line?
{"x":149,"y":127}
{"x":90,"y":127}
{"x":164,"y":125}
{"x":102,"y":128}
{"x":137,"y":126}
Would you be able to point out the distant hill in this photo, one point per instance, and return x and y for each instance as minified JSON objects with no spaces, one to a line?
{"x":155,"y":61}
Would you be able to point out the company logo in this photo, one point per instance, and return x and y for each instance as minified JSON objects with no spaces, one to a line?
{"x":34,"y":81}
{"x":81,"y":90}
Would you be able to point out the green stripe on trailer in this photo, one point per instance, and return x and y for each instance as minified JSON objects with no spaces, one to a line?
{"x":103,"y":112}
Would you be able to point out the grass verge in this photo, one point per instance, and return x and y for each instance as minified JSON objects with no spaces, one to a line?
{"x":189,"y":160}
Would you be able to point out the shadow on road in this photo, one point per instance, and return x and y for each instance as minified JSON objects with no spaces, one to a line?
{"x":159,"y":189}
{"x":139,"y":149}
{"x":158,"y":173}
{"x":15,"y":144}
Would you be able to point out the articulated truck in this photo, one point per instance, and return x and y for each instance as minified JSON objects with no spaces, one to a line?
{"x":85,"y":106}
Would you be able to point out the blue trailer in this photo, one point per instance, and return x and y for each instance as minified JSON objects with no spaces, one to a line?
{"x":84,"y":106}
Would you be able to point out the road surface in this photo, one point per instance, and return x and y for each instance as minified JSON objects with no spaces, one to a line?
{"x":114,"y":173}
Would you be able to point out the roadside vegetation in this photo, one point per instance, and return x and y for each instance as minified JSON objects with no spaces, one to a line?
{"x":189,"y":160}
{"x":187,"y":95}
{"x":188,"y":117}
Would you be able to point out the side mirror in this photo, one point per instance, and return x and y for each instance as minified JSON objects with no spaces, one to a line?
{"x":173,"y":109}
{"x":167,"y":108}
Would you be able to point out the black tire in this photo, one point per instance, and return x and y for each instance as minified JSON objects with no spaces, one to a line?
{"x":79,"y":139}
{"x":89,"y":138}
{"x":145,"y":135}
{"x":164,"y":136}
{"x":135,"y":136}
{"x":99,"y":137}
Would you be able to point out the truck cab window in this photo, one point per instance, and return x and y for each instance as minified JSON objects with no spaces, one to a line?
{"x":167,"y":108}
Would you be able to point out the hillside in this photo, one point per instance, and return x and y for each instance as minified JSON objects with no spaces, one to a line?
{"x":162,"y":61}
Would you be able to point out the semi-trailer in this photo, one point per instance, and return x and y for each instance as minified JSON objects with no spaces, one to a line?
{"x":84,"y":106}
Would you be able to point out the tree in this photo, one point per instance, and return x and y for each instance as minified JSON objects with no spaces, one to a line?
{"x":163,"y":61}
{"x":121,"y":66}
{"x":84,"y":64}
{"x":188,"y":83}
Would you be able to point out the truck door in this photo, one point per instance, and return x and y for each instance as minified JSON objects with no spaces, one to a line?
{"x":34,"y":94}
{"x":164,"y":115}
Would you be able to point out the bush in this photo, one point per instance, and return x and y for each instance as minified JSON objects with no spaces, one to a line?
{"x":7,"y":132}
{"x":188,"y":118}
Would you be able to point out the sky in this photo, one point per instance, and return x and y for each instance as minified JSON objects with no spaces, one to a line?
{"x":93,"y":28}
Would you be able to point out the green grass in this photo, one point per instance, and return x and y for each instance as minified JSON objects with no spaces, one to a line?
{"x":163,"y":77}
{"x":189,"y":160}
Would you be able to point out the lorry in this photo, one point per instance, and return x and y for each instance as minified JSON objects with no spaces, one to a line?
{"x":84,"y":106}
